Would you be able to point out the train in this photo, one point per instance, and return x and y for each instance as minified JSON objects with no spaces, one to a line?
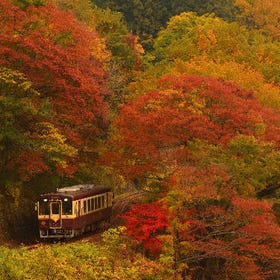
{"x":71,"y":211}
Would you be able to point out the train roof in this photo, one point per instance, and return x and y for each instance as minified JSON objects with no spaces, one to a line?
{"x":79,"y":191}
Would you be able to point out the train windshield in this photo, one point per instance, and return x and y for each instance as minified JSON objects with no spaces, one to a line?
{"x":44,"y":207}
{"x":66,"y":206}
{"x":55,"y":208}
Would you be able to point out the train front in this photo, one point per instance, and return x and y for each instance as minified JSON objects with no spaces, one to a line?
{"x":55,"y":213}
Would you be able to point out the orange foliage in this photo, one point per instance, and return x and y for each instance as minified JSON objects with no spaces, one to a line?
{"x":261,"y":14}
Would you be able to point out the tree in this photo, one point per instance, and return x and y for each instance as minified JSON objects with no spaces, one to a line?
{"x":144,"y":222}
{"x":207,"y":37}
{"x":156,"y":127}
{"x":30,"y":144}
{"x":253,"y":166}
{"x":236,"y":238}
{"x":223,"y":9}
{"x":62,"y":59}
{"x":206,"y":46}
{"x":240,"y":74}
{"x":125,"y":59}
{"x":53,"y":92}
{"x":146,"y":18}
{"x":261,"y":15}
{"x":226,"y":237}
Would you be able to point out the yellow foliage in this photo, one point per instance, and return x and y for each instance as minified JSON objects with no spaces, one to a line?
{"x":206,"y":40}
{"x":239,"y":74}
{"x":12,"y":81}
{"x":261,"y":14}
{"x":99,"y":50}
{"x":52,"y":142}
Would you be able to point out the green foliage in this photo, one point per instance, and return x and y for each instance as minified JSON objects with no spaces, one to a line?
{"x":252,"y":166}
{"x":82,"y":9}
{"x":25,"y":3}
{"x":82,"y":260}
{"x":126,"y":59}
{"x":18,"y":107}
{"x":189,"y":36}
{"x":224,"y":9}
{"x":25,"y":128}
{"x":147,"y":18}
{"x":143,"y":17}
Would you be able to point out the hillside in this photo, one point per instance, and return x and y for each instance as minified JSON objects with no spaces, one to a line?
{"x":174,"y":102}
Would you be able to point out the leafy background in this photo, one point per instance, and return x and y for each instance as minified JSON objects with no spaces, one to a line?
{"x":176,"y":99}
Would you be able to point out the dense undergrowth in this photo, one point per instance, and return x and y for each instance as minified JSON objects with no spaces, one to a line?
{"x":110,"y":259}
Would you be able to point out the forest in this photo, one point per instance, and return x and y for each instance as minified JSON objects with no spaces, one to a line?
{"x":178,"y":100}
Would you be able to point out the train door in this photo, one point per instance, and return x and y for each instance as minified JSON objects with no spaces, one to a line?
{"x":55,"y":214}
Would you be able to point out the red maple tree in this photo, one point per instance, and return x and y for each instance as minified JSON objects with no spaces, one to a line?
{"x":63,"y":60}
{"x":162,"y":122}
{"x":229,"y":237}
{"x":144,"y":222}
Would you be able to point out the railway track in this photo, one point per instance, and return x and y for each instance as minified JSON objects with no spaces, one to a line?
{"x":123,"y":202}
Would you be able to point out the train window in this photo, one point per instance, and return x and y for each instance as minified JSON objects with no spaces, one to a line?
{"x":66,"y":206}
{"x":79,"y":207}
{"x":55,"y":208}
{"x":88,"y":205}
{"x":44,"y":207}
{"x":85,"y":206}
